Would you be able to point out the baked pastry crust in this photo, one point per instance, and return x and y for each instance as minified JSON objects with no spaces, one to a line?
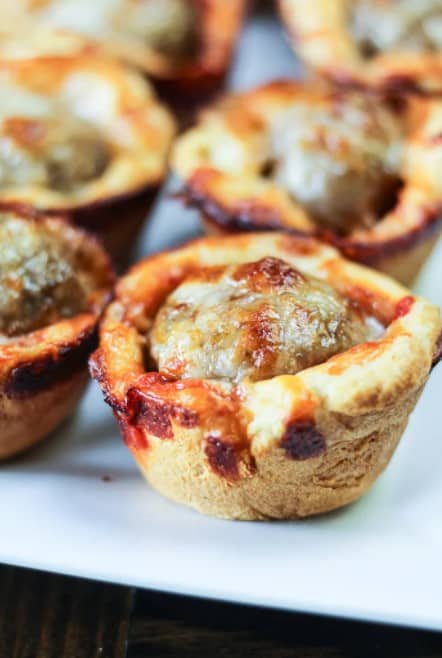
{"x":134,"y":132}
{"x":222,"y":161}
{"x":320,"y":33}
{"x":43,"y":373}
{"x":189,"y":84}
{"x":182,"y":81}
{"x":284,"y":447}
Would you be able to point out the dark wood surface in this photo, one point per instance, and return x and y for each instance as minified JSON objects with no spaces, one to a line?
{"x":49,"y":616}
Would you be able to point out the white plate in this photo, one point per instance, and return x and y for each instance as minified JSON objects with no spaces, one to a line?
{"x":378,"y":559}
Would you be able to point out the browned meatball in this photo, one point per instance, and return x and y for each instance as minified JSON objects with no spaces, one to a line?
{"x":255,"y":320}
{"x":76,"y":154}
{"x":38,"y":284}
{"x":338,"y":158}
{"x":61,"y":152}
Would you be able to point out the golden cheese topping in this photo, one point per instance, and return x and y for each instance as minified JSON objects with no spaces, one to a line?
{"x":38,"y":280}
{"x":75,"y":131}
{"x":254,"y":320}
{"x":389,"y":25}
{"x":61,"y":152}
{"x":338,"y":159}
{"x":167,"y":26}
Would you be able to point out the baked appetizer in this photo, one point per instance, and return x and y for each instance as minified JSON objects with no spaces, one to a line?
{"x":54,"y":283}
{"x":84,"y":137}
{"x":360,"y":172}
{"x":262,"y":375}
{"x":184,"y":46}
{"x":393,"y":45}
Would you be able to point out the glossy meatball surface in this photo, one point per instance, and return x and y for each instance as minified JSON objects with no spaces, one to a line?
{"x":38,"y":282}
{"x":255,"y":320}
{"x":338,"y":158}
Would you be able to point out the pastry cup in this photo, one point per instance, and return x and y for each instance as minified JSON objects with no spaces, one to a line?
{"x":320,"y":33}
{"x":188,"y":85}
{"x":43,"y":373}
{"x":285,"y":447}
{"x":133,"y":126}
{"x":221,"y":162}
{"x":184,"y":82}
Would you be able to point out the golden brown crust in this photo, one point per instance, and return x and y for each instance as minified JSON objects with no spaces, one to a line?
{"x":42,"y":373}
{"x":109,"y":104}
{"x":26,"y":422}
{"x":222,"y":162}
{"x":285,"y":447}
{"x":321,"y":34}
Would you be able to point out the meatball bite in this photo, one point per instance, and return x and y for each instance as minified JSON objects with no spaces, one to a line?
{"x":338,"y":159}
{"x":255,"y":320}
{"x":386,"y":25}
{"x":38,"y":284}
{"x":62,"y":152}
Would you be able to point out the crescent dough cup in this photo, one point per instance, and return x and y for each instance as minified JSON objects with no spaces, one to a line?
{"x":43,"y":370}
{"x":282,"y":447}
{"x":84,"y":137}
{"x":320,"y":31}
{"x":224,"y":163}
{"x":183,"y":78}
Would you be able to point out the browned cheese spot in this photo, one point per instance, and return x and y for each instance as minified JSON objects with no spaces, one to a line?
{"x":301,"y":440}
{"x":222,"y":458}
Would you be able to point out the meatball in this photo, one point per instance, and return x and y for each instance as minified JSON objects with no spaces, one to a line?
{"x":255,"y":320}
{"x":168,"y":26}
{"x":388,"y":25}
{"x":61,"y":152}
{"x":76,"y":154}
{"x":338,"y":158}
{"x":38,"y":284}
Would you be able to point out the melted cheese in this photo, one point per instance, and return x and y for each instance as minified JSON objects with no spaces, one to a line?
{"x":255,"y":321}
{"x":39,"y":283}
{"x":337,"y":159}
{"x":167,"y":26}
{"x":77,"y":131}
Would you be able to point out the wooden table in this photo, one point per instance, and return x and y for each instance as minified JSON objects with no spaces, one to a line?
{"x":49,"y":616}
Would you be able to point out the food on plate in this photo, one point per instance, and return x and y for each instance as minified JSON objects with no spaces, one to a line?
{"x":359,"y":171}
{"x":54,"y":283}
{"x":262,"y":375}
{"x":85,"y":137}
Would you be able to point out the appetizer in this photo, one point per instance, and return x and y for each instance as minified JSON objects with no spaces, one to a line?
{"x":84,"y":137}
{"x":54,"y":283}
{"x":389,"y":45}
{"x":184,"y":46}
{"x":359,"y":171}
{"x":262,"y":375}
